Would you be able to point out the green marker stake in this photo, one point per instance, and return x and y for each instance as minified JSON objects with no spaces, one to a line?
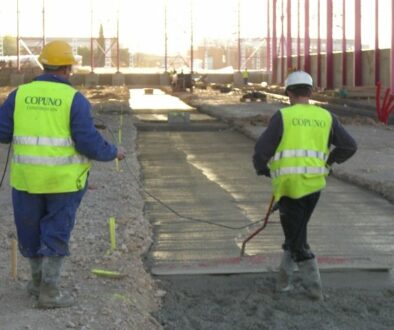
{"x":112,"y":237}
{"x":120,"y":135}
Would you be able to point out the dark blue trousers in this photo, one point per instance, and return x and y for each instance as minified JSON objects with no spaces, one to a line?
{"x":294,"y":218}
{"x":44,"y":222}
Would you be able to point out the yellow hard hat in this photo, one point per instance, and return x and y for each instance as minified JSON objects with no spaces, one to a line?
{"x":57,"y":53}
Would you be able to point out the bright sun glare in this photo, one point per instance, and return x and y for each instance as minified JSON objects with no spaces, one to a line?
{"x":142,"y":22}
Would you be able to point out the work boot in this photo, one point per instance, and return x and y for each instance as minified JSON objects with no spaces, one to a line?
{"x":50,"y":295}
{"x":285,"y":274}
{"x":310,"y":277}
{"x":33,"y":286}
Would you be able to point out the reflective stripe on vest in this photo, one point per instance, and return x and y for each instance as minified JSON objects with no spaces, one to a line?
{"x":39,"y":160}
{"x":300,"y":153}
{"x":298,"y":170}
{"x":42,"y":141}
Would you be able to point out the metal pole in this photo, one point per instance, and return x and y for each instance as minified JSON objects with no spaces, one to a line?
{"x":307,"y":58}
{"x":298,"y":37}
{"x":392,"y":48}
{"x":165,"y":38}
{"x":377,"y":51}
{"x":117,"y":43}
{"x":43,"y":23}
{"x":268,"y":38}
{"x":282,"y":40}
{"x":329,"y":48}
{"x":17,"y":37}
{"x":191,"y":37}
{"x":239,"y":35}
{"x":91,"y":38}
{"x":318,"y":46}
{"x":288,"y":37}
{"x":344,"y":59}
{"x":358,"y":79}
{"x":274,"y":45}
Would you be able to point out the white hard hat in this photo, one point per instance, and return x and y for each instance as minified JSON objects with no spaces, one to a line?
{"x":298,"y":78}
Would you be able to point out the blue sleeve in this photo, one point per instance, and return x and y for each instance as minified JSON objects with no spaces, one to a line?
{"x":7,"y":118}
{"x":344,"y":144}
{"x":267,"y":143}
{"x":88,"y":141}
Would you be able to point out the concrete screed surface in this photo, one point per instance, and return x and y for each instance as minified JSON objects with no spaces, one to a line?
{"x":208,"y":175}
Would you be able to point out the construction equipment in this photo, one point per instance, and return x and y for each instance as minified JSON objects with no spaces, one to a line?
{"x":271,"y":209}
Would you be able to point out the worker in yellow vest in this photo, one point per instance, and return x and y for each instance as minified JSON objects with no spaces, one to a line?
{"x":54,"y":138}
{"x":245,"y":76}
{"x":294,"y":150}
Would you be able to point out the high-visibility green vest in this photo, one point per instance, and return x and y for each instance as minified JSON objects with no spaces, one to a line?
{"x":298,"y":167}
{"x":45,"y":159}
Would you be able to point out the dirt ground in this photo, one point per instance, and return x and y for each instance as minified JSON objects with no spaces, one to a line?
{"x":138,"y":301}
{"x":103,"y":303}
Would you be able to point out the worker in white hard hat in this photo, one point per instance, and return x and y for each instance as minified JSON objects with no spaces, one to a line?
{"x":54,"y":138}
{"x":294,"y":150}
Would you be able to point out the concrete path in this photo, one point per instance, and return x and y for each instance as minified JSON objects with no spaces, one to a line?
{"x":207,"y":176}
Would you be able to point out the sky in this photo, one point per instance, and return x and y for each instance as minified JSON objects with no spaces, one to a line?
{"x":141,"y":22}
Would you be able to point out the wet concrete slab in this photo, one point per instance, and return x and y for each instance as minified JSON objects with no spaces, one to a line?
{"x":208,"y":179}
{"x":207,"y":199}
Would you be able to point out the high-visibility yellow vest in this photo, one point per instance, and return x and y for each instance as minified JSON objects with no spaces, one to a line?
{"x":298,"y":167}
{"x":45,"y":159}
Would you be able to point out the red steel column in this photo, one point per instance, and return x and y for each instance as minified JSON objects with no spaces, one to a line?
{"x":344,"y":60}
{"x":282,"y":41}
{"x":358,"y":79}
{"x":392,"y":48}
{"x":318,"y":46}
{"x":329,"y":48}
{"x":274,"y":45}
{"x":298,"y":37}
{"x":307,"y":58}
{"x":268,"y":38}
{"x":377,"y":51}
{"x":288,"y":37}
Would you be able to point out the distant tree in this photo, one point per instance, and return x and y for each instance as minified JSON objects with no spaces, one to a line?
{"x":85,"y":53}
{"x":9,"y":45}
{"x":99,"y":60}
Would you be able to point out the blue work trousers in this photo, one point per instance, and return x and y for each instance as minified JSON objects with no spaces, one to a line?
{"x":44,"y":222}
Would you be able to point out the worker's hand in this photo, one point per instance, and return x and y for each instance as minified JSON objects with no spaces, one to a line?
{"x":121,"y":154}
{"x":329,"y":169}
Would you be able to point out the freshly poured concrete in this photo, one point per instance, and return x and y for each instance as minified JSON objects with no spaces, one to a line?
{"x":206,"y":177}
{"x":209,"y":176}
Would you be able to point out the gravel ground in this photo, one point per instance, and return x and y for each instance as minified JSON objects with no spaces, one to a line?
{"x":103,"y":303}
